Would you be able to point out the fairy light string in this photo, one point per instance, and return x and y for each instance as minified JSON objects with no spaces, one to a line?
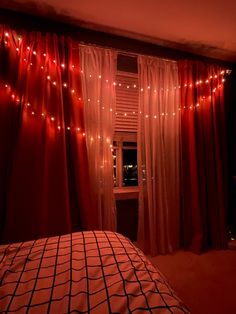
{"x":213,"y":83}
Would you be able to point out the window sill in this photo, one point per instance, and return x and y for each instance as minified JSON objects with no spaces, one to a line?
{"x":125,"y":193}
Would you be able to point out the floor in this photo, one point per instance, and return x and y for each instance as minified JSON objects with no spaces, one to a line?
{"x":206,"y":283}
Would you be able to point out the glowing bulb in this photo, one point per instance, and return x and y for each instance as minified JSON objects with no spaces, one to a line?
{"x":64,"y":84}
{"x":54,"y":61}
{"x":28,"y":48}
{"x":34,"y":53}
{"x":48,"y":77}
{"x":63,"y":65}
{"x":6,"y":34}
{"x":17,"y":49}
{"x":52,"y":119}
{"x":68,"y":128}
{"x":44,"y":55}
{"x":99,"y":76}
{"x":72,"y":91}
{"x":59,"y":127}
{"x":33,"y":113}
{"x":78,"y":129}
{"x":54,"y":83}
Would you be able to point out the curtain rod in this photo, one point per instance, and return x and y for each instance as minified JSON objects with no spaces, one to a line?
{"x":135,"y":54}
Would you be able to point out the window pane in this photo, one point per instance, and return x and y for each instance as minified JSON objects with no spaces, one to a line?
{"x":130,"y":176}
{"x":129,"y":144}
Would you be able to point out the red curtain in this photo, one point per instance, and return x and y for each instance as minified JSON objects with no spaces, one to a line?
{"x":203,"y":156}
{"x":44,"y":184}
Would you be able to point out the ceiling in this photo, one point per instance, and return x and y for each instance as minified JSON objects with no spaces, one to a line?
{"x":205,"y":27}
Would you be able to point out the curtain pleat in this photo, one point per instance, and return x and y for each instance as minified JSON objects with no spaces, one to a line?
{"x":203,"y":156}
{"x":158,"y":156}
{"x":98,"y":78}
{"x":43,"y":161}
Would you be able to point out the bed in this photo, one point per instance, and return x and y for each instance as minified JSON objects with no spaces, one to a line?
{"x":84,"y":272}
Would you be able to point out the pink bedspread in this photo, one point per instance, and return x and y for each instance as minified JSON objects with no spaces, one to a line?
{"x":84,"y":272}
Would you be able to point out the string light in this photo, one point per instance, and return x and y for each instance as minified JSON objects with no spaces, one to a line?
{"x":209,"y":81}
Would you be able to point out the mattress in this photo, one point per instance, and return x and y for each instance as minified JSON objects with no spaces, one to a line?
{"x":84,"y":272}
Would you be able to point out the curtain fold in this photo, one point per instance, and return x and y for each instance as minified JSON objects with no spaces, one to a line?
{"x":203,"y":156}
{"x":158,"y":156}
{"x":98,"y":83}
{"x":43,"y":161}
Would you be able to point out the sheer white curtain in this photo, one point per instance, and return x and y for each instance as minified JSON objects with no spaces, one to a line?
{"x":158,"y":155}
{"x":98,"y":68}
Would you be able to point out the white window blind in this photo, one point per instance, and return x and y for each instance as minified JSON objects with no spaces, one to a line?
{"x":127,"y":97}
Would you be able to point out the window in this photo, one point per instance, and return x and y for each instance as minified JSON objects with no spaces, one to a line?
{"x":125,"y":162}
{"x":126,"y":125}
